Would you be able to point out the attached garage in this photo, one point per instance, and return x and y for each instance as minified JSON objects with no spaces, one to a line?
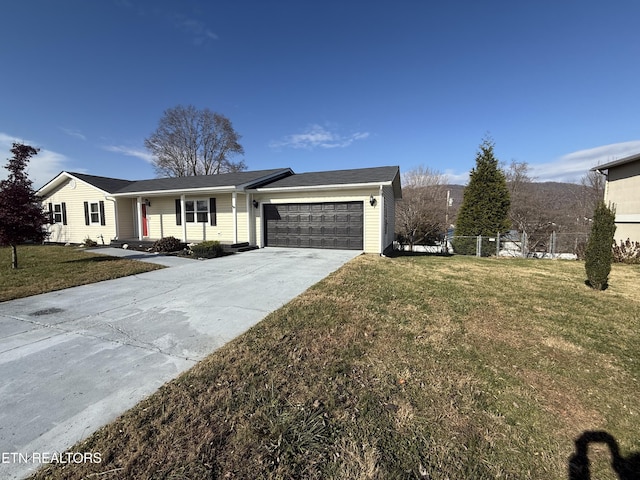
{"x":315,"y":225}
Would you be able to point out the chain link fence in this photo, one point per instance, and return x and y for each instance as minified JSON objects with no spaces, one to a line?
{"x":519,"y":244}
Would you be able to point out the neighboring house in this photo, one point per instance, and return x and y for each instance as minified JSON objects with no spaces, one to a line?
{"x":350,"y":209}
{"x":622,"y":190}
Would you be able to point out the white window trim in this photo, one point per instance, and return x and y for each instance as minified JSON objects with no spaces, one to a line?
{"x":195,"y":210}
{"x":57,"y":215}
{"x":92,"y":213}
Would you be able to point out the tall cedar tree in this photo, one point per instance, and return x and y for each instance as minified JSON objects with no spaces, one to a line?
{"x":21,"y":215}
{"x":485,"y":205}
{"x":599,"y":253}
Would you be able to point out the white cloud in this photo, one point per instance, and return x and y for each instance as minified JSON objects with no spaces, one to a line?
{"x":456,"y":178}
{"x":130,"y":152}
{"x":41,"y":168}
{"x":571,"y":167}
{"x":316,"y":136}
{"x":196,"y":28}
{"x":73,"y":133}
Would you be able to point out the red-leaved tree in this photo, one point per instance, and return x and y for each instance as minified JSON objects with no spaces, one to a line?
{"x":21,"y":215}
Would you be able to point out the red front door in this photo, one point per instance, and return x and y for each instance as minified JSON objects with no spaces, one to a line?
{"x":145,"y":227}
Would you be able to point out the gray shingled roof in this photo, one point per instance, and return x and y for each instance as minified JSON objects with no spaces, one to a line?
{"x":200,"y":181}
{"x":617,"y":163}
{"x":276,"y":178}
{"x":109,"y":185}
{"x":338,"y":177}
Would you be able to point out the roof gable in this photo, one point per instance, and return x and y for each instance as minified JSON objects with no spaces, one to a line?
{"x":105,"y":184}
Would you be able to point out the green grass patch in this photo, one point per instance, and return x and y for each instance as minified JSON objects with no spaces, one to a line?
{"x":45,"y":268}
{"x":411,"y":367}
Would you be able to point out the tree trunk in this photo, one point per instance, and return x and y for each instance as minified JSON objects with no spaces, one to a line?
{"x":14,"y":256}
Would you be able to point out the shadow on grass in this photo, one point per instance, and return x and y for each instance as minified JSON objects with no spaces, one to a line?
{"x":399,"y":253}
{"x":101,"y":258}
{"x":579,"y":465}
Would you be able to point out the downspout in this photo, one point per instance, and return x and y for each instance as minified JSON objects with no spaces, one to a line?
{"x":139,"y":211}
{"x":184,"y":218}
{"x":234,"y":198}
{"x":115,"y":212}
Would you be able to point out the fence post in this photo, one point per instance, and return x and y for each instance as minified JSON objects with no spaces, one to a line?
{"x":498,"y":245}
{"x":479,"y":246}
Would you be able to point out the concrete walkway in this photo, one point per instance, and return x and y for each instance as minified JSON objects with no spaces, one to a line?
{"x":73,"y":360}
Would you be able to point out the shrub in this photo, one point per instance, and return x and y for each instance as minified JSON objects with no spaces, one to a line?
{"x":211,"y":249}
{"x":626,"y":252}
{"x":167,"y":244}
{"x":90,"y":243}
{"x":599,"y":253}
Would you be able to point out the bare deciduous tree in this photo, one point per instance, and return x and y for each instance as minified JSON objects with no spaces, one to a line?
{"x":529,"y":213}
{"x":420,"y":215}
{"x":592,"y":184}
{"x":189,"y":142}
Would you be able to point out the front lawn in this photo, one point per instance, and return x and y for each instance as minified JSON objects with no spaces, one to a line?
{"x":44,"y":268}
{"x":413,"y":367}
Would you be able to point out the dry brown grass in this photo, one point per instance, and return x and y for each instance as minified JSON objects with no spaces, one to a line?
{"x":419,"y":367}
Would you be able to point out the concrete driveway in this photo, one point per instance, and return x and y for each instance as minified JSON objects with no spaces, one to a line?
{"x":73,"y":360}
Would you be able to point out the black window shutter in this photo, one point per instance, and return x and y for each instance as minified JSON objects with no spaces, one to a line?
{"x":103,"y":221}
{"x":64,"y":213}
{"x":178,"y":212}
{"x":51,"y":218}
{"x":86,"y":213}
{"x":212,"y":212}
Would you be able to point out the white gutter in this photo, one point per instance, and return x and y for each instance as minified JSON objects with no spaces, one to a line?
{"x":317,"y":187}
{"x":147,"y":193}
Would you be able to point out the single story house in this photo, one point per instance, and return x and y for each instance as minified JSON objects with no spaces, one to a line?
{"x":345,"y":209}
{"x":622,"y":190}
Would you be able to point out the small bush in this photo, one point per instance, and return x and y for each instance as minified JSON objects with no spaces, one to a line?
{"x":167,"y":244}
{"x":211,"y":249}
{"x":626,"y":252}
{"x":90,"y":243}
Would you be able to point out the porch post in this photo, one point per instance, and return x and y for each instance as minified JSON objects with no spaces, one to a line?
{"x":139,"y":212}
{"x":184,"y":219}
{"x":382,"y":235}
{"x":234,"y":198}
{"x":249,"y":217}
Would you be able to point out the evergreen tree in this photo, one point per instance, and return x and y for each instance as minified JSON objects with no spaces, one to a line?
{"x":599,"y":253}
{"x":21,"y":215}
{"x":485,"y":205}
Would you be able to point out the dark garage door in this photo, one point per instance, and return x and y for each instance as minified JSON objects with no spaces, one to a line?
{"x":315,"y":225}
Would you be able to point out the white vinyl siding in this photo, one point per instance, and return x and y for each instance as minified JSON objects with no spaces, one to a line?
{"x":73,"y":193}
{"x":389,"y":234}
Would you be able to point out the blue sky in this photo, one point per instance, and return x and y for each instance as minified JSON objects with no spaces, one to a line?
{"x":319,"y":85}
